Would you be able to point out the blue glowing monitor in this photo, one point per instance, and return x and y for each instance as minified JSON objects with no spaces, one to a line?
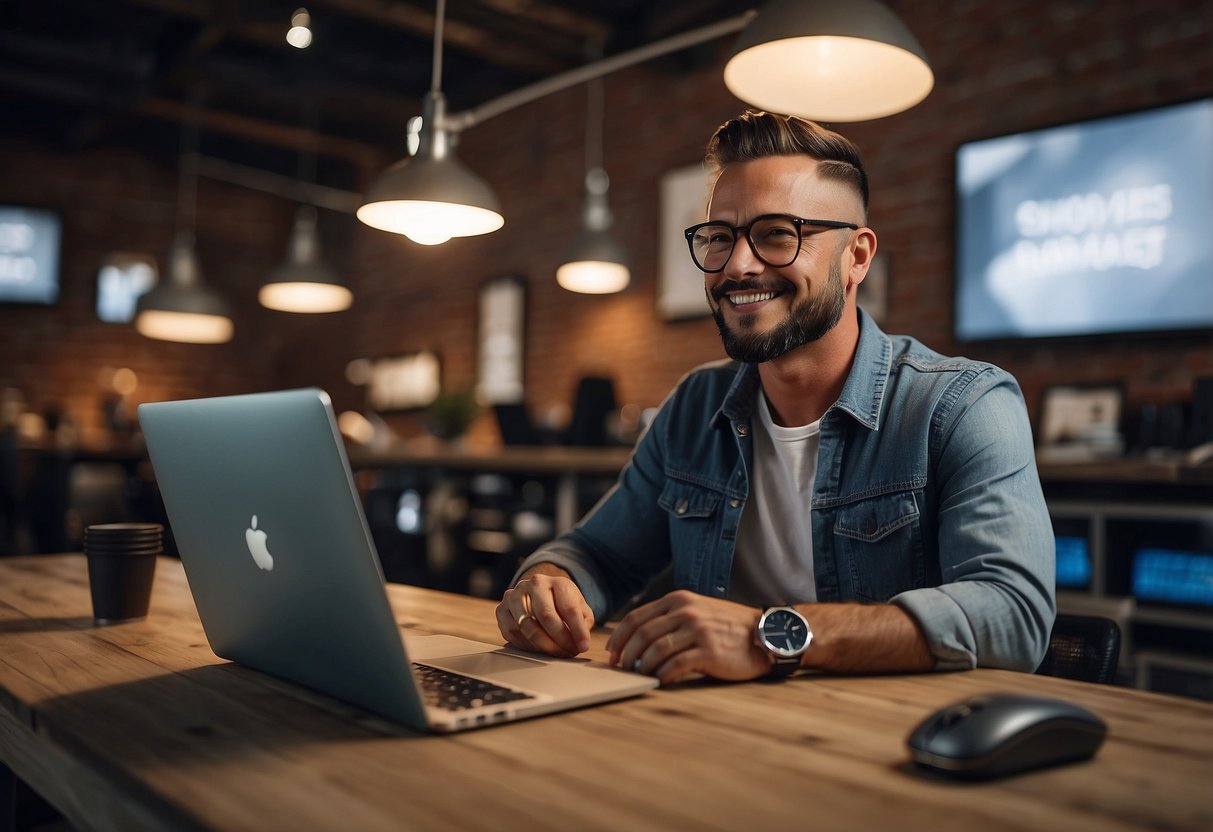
{"x":29,"y":255}
{"x":1172,"y":575}
{"x":1092,"y":228}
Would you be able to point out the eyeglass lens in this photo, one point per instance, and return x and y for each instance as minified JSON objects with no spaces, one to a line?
{"x":775,"y":241}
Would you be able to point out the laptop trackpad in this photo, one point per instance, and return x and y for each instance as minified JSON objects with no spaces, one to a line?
{"x":486,"y":664}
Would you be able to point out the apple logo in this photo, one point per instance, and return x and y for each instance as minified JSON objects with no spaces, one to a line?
{"x":255,"y":538}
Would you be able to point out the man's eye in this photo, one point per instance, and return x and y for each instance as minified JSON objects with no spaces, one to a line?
{"x":779,"y":233}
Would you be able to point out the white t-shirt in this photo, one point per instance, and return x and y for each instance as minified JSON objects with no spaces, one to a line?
{"x":773,"y":561}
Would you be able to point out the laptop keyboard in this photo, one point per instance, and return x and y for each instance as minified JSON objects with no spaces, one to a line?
{"x":455,"y":692}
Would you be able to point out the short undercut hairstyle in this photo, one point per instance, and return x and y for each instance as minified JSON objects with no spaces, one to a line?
{"x":757,"y":135}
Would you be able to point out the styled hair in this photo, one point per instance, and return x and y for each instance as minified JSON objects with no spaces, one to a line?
{"x":757,"y":135}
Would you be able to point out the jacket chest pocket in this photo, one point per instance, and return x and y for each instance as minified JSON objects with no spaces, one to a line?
{"x":878,"y":546}
{"x":692,"y":514}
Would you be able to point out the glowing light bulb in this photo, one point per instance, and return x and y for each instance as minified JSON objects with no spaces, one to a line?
{"x":300,"y":33}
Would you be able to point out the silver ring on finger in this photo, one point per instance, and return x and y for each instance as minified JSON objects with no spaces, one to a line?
{"x":522,"y":618}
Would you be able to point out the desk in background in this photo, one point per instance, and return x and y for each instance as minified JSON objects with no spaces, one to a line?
{"x":49,"y":494}
{"x":569,"y":465}
{"x":462,"y":521}
{"x":140,"y":726}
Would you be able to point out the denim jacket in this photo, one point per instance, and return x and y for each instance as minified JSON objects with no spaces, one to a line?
{"x":926,"y":496}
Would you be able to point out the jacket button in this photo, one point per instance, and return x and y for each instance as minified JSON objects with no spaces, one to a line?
{"x":743,"y":430}
{"x":681,"y":508}
{"x":871,"y":525}
{"x":734,"y":502}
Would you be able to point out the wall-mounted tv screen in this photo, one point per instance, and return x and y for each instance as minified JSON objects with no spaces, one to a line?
{"x":1099,"y":227}
{"x":29,"y":255}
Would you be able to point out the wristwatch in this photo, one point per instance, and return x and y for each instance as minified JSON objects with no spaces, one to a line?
{"x":785,"y":634}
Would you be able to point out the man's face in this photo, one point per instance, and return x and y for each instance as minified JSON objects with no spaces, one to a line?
{"x":764,"y":312}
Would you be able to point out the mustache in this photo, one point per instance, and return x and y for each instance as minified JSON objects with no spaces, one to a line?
{"x":746,"y":285}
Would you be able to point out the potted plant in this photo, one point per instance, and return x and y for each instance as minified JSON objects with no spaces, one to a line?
{"x":452,"y":413}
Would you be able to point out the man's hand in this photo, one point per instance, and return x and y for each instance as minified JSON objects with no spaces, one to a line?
{"x":684,"y":633}
{"x":546,"y":612}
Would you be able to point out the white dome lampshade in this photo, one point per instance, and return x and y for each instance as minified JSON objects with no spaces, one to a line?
{"x":432,"y":197}
{"x":596,"y":263}
{"x":305,"y":283}
{"x":180,"y":308}
{"x":828,"y":60}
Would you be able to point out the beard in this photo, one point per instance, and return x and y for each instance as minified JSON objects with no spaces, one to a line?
{"x":806,"y":322}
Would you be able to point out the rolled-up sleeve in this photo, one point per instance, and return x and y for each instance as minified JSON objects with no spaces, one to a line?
{"x":996,"y":603}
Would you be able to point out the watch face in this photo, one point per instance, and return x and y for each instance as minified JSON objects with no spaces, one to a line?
{"x":784,"y":632}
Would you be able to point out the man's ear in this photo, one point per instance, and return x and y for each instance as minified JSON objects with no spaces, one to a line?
{"x":862,"y":249}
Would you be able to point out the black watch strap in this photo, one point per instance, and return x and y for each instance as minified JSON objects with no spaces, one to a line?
{"x":784,"y":666}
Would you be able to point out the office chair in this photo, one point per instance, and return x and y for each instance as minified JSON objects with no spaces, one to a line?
{"x":1082,"y":647}
{"x":594,"y":401}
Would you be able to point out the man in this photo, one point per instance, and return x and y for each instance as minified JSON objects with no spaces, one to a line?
{"x":834,"y":498}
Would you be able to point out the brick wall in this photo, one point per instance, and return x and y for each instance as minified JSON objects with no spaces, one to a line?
{"x":1000,"y":67}
{"x":63,"y":356}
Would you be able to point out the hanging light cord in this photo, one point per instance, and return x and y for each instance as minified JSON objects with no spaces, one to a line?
{"x":594,"y":124}
{"x":307,"y":153}
{"x":436,"y":75}
{"x":187,"y":185}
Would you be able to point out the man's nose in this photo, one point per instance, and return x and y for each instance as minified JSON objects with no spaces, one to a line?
{"x":743,"y":261}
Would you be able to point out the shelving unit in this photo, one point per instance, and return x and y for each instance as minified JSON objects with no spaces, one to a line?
{"x":462,"y":521}
{"x":1119,"y":510}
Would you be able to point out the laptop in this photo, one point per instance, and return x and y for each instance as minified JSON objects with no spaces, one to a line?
{"x":279,"y":559}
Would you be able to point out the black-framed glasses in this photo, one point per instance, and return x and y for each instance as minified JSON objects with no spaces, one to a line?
{"x":774,"y":239}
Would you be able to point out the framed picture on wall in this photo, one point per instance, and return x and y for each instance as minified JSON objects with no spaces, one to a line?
{"x":409,"y":381}
{"x":1084,"y":417}
{"x":501,"y":341}
{"x":122,"y":278}
{"x":684,"y":197}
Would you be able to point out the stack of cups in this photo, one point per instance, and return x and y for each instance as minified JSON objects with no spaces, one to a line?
{"x":121,"y":565}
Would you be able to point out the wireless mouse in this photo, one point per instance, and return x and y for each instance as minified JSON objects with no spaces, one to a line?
{"x":994,"y":735}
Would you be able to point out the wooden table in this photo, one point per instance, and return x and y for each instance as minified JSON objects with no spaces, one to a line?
{"x":140,"y":726}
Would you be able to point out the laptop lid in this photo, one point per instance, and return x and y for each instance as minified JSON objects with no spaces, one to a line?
{"x":285,"y":575}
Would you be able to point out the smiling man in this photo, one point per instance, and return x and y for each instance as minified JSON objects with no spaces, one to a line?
{"x":832,"y":497}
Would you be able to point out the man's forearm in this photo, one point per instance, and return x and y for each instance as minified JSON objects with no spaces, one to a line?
{"x":864,"y":638}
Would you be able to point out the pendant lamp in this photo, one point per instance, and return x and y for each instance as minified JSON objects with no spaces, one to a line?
{"x":828,"y":60}
{"x":300,"y":33}
{"x":179,"y":307}
{"x":305,"y":283}
{"x":432,"y":196}
{"x":596,"y":263}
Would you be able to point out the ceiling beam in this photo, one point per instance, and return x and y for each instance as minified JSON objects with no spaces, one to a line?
{"x":552,"y":16}
{"x":367,"y":158}
{"x":92,"y":127}
{"x":482,"y":43}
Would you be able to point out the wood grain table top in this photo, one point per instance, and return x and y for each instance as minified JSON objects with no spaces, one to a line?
{"x":140,"y":726}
